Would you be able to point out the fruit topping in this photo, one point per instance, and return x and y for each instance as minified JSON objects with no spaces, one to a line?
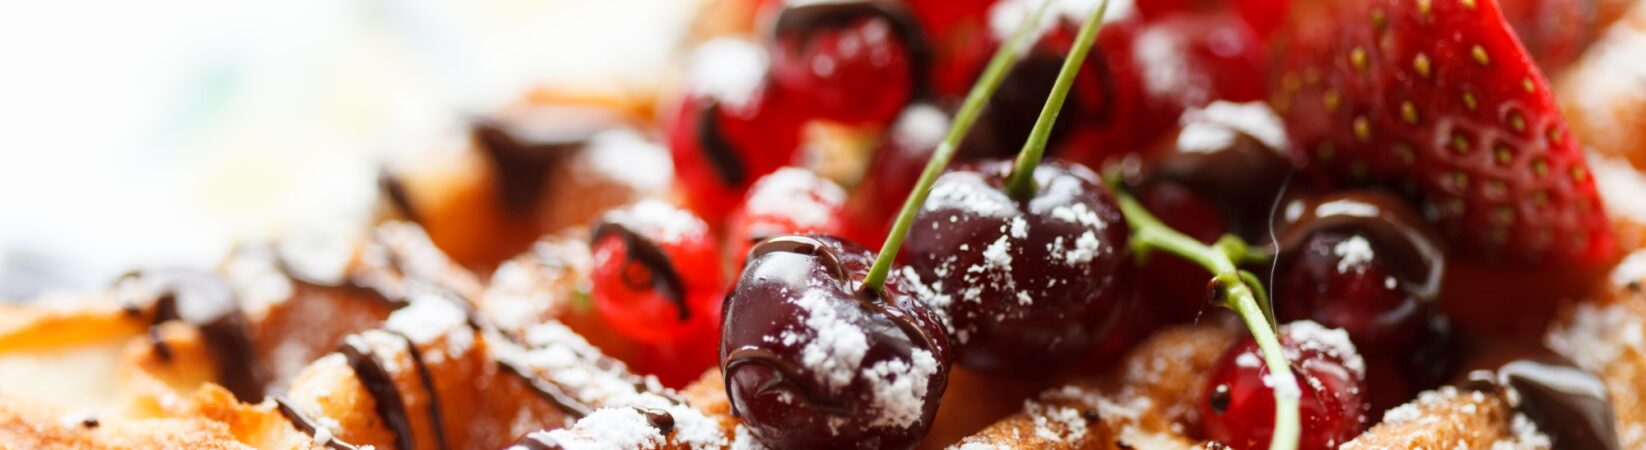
{"x":731,"y":127}
{"x":788,"y":201}
{"x":1438,"y":99}
{"x":855,"y":62}
{"x":1237,"y":406}
{"x":813,"y":361}
{"x":656,"y":275}
{"x":1023,"y":283}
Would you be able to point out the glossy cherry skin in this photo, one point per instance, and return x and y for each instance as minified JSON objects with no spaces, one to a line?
{"x":813,"y":362}
{"x":788,"y":201}
{"x":1175,"y":287}
{"x":1237,"y":406}
{"x":656,"y":275}
{"x":855,"y":62}
{"x":1023,"y":284}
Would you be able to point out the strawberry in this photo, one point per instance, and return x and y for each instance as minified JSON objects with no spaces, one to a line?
{"x":1438,"y":99}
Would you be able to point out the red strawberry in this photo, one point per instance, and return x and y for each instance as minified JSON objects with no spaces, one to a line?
{"x":1438,"y":98}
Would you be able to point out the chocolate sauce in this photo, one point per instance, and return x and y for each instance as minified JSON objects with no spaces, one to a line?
{"x":717,"y":150}
{"x":1386,"y":218}
{"x":306,"y":424}
{"x":377,"y":380}
{"x":436,"y":416}
{"x":800,"y":21}
{"x":641,"y":250}
{"x":659,"y":419}
{"x":395,"y":191}
{"x":787,"y":373}
{"x":1568,"y":404}
{"x":206,"y":302}
{"x":536,"y":440}
{"x":523,"y":162}
{"x":551,"y":392}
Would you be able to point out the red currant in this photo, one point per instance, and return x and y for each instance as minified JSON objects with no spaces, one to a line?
{"x":1238,"y":407}
{"x":788,"y":201}
{"x":857,"y":62}
{"x":731,"y":128}
{"x":657,"y":273}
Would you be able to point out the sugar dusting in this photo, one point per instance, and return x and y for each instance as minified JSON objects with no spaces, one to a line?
{"x":1332,"y":342}
{"x":799,"y":195}
{"x":1598,"y":335}
{"x":610,"y":429}
{"x":729,"y":70}
{"x":835,"y":348}
{"x":1216,"y":126}
{"x":900,"y":388}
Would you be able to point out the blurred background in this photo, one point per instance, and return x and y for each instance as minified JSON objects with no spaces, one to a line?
{"x":161,"y":132}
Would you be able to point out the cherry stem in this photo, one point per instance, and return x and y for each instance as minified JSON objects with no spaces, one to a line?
{"x":970,"y":109}
{"x":1240,"y":291}
{"x":1021,"y":184}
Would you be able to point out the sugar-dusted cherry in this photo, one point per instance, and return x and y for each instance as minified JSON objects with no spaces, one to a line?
{"x":1237,"y":405}
{"x":656,"y":275}
{"x":813,"y":361}
{"x":1022,"y":283}
{"x":855,"y":61}
{"x":788,"y":201}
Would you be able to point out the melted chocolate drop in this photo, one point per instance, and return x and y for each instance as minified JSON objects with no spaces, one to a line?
{"x":1568,"y":404}
{"x":206,"y":302}
{"x":642,"y":250}
{"x":800,"y":20}
{"x":395,"y":191}
{"x":522,"y":163}
{"x":90,"y":422}
{"x":306,"y":424}
{"x":717,"y":150}
{"x":659,"y":419}
{"x":536,"y":440}
{"x":551,"y":392}
{"x":377,"y":380}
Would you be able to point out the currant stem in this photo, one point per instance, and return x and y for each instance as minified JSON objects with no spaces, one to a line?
{"x":970,"y":109}
{"x":1021,"y":183}
{"x":1240,"y":291}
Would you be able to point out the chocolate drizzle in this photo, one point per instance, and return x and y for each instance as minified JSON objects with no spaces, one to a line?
{"x":799,"y":21}
{"x":717,"y":150}
{"x":787,"y":373}
{"x":306,"y":424}
{"x":436,"y":416}
{"x":377,"y":380}
{"x":206,"y":302}
{"x":659,"y":419}
{"x":395,"y":190}
{"x":645,"y":252}
{"x":1568,"y":404}
{"x":522,"y":162}
{"x":551,"y":392}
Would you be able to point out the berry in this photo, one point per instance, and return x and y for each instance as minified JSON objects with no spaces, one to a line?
{"x":1229,"y":154}
{"x":656,"y":277}
{"x":1175,"y":287}
{"x":854,"y":62}
{"x":961,"y":42}
{"x":1022,"y":284}
{"x":730,"y":127}
{"x":813,"y":362}
{"x":788,"y":201}
{"x":1238,"y":406}
{"x":1439,"y":100}
{"x":893,"y":170}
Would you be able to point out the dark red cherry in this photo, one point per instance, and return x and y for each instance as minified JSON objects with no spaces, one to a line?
{"x":813,"y":362}
{"x":730,"y":127}
{"x":1237,"y":404}
{"x":1363,"y":262}
{"x":856,"y":62}
{"x":1176,"y":288}
{"x":788,"y":201}
{"x":1022,"y":284}
{"x":656,"y":275}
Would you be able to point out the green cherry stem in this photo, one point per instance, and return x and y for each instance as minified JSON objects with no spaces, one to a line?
{"x":970,"y":109}
{"x":1238,"y":290}
{"x":1021,"y":184}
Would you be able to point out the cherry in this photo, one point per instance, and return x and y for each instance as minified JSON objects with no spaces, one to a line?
{"x":893,"y":170}
{"x":1237,"y":404}
{"x":1363,"y":262}
{"x":1022,"y":284}
{"x":856,"y":62}
{"x":813,"y":362}
{"x":1264,"y":16}
{"x":788,"y":201}
{"x":1175,"y":287}
{"x":656,"y":277}
{"x":960,"y":38}
{"x":731,"y":128}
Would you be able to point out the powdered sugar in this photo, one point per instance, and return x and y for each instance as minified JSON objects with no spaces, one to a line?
{"x":610,"y":429}
{"x":625,"y":155}
{"x":655,"y":216}
{"x":1598,"y":335}
{"x":900,"y":388}
{"x":1353,"y":253}
{"x":1330,"y":341}
{"x":728,"y":70}
{"x":799,"y":195}
{"x":920,"y":128}
{"x":836,"y":347}
{"x":1216,"y":126}
{"x":1631,"y":270}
